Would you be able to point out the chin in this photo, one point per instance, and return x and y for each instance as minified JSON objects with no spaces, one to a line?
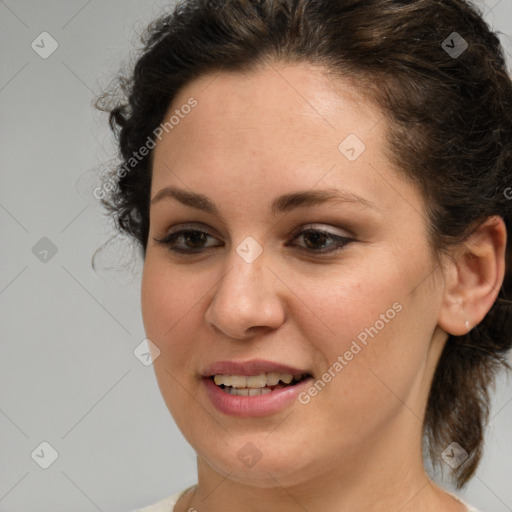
{"x":258,"y":460}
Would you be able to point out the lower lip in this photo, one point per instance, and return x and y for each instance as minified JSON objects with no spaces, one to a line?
{"x":259,"y":405}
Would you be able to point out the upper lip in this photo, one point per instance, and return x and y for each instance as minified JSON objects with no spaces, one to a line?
{"x":252,"y":367}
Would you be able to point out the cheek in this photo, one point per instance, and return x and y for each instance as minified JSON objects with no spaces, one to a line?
{"x":167,"y":302}
{"x":346,"y":304}
{"x":369,"y":326}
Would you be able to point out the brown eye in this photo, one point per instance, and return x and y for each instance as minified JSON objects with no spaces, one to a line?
{"x":317,"y":241}
{"x":193,"y":241}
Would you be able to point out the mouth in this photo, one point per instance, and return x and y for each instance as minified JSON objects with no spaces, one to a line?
{"x":256,"y":385}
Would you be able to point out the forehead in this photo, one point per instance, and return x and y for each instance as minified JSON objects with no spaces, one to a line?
{"x":281,"y":127}
{"x":290,"y":101}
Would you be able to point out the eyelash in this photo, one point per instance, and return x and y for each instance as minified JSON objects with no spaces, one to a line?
{"x":341,"y":241}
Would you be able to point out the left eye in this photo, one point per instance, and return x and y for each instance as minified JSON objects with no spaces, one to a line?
{"x":196,"y":238}
{"x":320,"y":237}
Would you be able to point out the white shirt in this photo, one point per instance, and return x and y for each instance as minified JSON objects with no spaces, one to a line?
{"x":167,"y":504}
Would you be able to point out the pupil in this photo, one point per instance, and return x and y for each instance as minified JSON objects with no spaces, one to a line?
{"x":194,"y":236}
{"x":315,"y":237}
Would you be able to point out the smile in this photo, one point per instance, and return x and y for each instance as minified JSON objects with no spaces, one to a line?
{"x":256,"y":395}
{"x":256,"y":385}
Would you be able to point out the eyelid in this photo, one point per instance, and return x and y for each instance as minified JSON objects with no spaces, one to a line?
{"x":321,"y":227}
{"x":315,"y":225}
{"x":191,"y":226}
{"x":340,"y":241}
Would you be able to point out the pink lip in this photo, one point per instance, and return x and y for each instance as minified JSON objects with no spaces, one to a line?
{"x":252,"y":367}
{"x":250,"y":406}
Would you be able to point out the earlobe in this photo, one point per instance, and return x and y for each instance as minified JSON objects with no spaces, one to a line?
{"x":474,"y":277}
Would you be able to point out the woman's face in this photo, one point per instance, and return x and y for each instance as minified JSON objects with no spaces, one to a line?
{"x":361,"y":309}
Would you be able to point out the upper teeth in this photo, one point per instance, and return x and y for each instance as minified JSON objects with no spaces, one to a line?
{"x":255,"y":381}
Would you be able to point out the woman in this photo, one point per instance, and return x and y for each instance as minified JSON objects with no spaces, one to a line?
{"x":319,"y":190}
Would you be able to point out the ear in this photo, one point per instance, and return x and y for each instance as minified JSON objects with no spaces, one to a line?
{"x":473,"y":277}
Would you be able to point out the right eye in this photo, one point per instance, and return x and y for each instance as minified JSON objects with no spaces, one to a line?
{"x":196,"y":238}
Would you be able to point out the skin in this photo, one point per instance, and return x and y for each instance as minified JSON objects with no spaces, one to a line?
{"x":356,"y":446}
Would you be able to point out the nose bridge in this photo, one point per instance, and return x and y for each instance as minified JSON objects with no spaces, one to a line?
{"x":246,"y":267}
{"x":244,"y":297}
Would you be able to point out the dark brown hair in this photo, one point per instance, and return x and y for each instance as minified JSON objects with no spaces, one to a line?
{"x":449,"y":130}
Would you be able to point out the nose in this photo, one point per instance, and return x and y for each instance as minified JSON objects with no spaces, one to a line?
{"x":248,"y":299}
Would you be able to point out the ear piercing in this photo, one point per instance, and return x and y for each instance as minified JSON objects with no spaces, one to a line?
{"x":461,"y":303}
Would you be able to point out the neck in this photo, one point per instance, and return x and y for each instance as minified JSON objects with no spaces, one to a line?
{"x":387,"y":474}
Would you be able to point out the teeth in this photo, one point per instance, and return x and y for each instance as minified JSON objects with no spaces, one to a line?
{"x":255,"y":381}
{"x":248,"y":392}
{"x":238,"y":381}
{"x":272,"y":378}
{"x":286,"y":378}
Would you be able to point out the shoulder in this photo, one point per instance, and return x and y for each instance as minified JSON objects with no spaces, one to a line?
{"x":469,"y":507}
{"x":165,"y":504}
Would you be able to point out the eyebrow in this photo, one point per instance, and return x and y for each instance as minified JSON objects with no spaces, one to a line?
{"x":283,"y":203}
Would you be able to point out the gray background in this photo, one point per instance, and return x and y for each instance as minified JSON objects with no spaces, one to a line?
{"x":69,"y":376}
